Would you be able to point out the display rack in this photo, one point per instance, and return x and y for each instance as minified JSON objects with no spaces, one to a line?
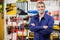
{"x":12,"y":30}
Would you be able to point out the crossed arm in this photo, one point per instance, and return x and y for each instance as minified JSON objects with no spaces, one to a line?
{"x":42,"y":29}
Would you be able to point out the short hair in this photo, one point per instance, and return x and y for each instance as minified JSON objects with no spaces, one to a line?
{"x":41,"y":3}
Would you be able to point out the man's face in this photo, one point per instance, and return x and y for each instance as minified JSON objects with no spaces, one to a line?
{"x":40,"y":8}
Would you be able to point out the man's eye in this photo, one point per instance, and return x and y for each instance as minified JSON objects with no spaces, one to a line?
{"x":42,"y":6}
{"x":38,"y":6}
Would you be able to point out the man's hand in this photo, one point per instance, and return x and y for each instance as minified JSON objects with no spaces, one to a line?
{"x":33,"y":24}
{"x":45,"y":27}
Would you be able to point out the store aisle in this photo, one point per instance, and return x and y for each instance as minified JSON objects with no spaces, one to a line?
{"x":1,"y":27}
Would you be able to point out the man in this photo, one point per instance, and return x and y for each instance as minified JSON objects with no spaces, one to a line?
{"x":41,"y":24}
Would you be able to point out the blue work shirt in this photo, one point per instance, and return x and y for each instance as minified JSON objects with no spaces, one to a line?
{"x":39,"y":32}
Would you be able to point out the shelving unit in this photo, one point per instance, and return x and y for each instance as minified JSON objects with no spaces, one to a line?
{"x":14,"y":27}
